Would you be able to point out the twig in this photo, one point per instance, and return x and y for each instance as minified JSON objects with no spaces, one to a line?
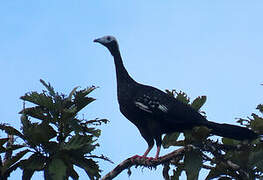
{"x":10,"y":142}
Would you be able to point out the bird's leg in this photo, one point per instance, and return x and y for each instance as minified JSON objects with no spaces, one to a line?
{"x":144,"y":156}
{"x":157,"y":152}
{"x":147,"y":151}
{"x":158,"y":140}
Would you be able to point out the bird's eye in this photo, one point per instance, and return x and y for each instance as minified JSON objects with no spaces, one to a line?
{"x":108,"y":38}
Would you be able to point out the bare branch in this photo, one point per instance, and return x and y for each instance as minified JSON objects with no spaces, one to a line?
{"x":149,"y":163}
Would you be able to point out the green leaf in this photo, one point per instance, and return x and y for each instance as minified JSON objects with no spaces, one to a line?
{"x":260,"y":108}
{"x":49,"y":88}
{"x":97,"y":121}
{"x":13,"y":160}
{"x":170,"y":139}
{"x":57,"y":170}
{"x":200,"y":133}
{"x":37,"y":112}
{"x":257,"y":123}
{"x":83,"y":102}
{"x":80,"y":143}
{"x":256,"y":157}
{"x":50,"y":147}
{"x":217,"y":171}
{"x":27,"y":174}
{"x":82,"y":93}
{"x":35,"y":162}
{"x":74,"y":125}
{"x":182,"y":97}
{"x":228,"y":141}
{"x":90,"y":167}
{"x":11,"y":131}
{"x":40,"y":133}
{"x":40,"y":99}
{"x":193,"y":163}
{"x":72,"y":173}
{"x":93,"y":131}
{"x":198,"y":102}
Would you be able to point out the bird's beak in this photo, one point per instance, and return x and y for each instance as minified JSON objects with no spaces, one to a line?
{"x":96,"y":40}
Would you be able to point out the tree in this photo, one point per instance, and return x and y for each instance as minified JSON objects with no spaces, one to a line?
{"x":53,"y":138}
{"x":226,"y":159}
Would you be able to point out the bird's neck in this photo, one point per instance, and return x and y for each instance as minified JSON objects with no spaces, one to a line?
{"x":121,"y":73}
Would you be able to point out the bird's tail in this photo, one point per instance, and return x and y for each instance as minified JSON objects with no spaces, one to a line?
{"x":231,"y":131}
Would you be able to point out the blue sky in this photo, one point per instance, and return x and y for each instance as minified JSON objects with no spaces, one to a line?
{"x":211,"y":48}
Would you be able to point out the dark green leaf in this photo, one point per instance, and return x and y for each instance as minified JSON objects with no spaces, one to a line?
{"x":35,"y":162}
{"x":27,"y":174}
{"x":93,"y":131}
{"x":40,"y":133}
{"x":200,"y":133}
{"x":49,"y":88}
{"x":74,"y":125}
{"x":170,"y":139}
{"x":228,"y":141}
{"x":90,"y":167}
{"x":37,"y":112}
{"x":72,"y":173}
{"x":256,"y":158}
{"x":97,"y":122}
{"x":257,"y":124}
{"x":260,"y":108}
{"x":216,"y":171}
{"x":57,"y":170}
{"x":83,"y":102}
{"x":50,"y":147}
{"x":13,"y":160}
{"x":181,"y":96}
{"x":11,"y":131}
{"x":83,"y":93}
{"x":80,"y":143}
{"x":40,"y":99}
{"x":193,"y":164}
{"x":198,"y":102}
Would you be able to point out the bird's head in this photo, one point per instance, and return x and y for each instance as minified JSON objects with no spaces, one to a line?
{"x":109,"y":42}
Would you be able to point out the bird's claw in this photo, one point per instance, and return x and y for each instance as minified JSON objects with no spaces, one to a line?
{"x":147,"y":159}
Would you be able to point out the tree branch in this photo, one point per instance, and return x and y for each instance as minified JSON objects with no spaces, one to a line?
{"x":149,"y":163}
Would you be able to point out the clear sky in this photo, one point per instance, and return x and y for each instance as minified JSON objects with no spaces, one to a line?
{"x":211,"y":48}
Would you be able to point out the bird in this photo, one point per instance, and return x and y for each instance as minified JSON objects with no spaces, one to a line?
{"x":155,"y":113}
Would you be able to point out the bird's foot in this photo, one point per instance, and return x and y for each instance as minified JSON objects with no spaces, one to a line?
{"x":143,"y":158}
{"x":149,"y":158}
{"x":136,"y":157}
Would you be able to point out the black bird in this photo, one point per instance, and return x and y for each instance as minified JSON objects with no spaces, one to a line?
{"x":155,"y":113}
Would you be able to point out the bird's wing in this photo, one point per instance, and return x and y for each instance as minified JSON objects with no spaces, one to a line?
{"x":150,"y":104}
{"x":152,"y":101}
{"x":165,"y":107}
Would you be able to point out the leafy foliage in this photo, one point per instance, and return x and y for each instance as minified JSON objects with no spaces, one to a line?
{"x":225,"y":159}
{"x":53,"y":136}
